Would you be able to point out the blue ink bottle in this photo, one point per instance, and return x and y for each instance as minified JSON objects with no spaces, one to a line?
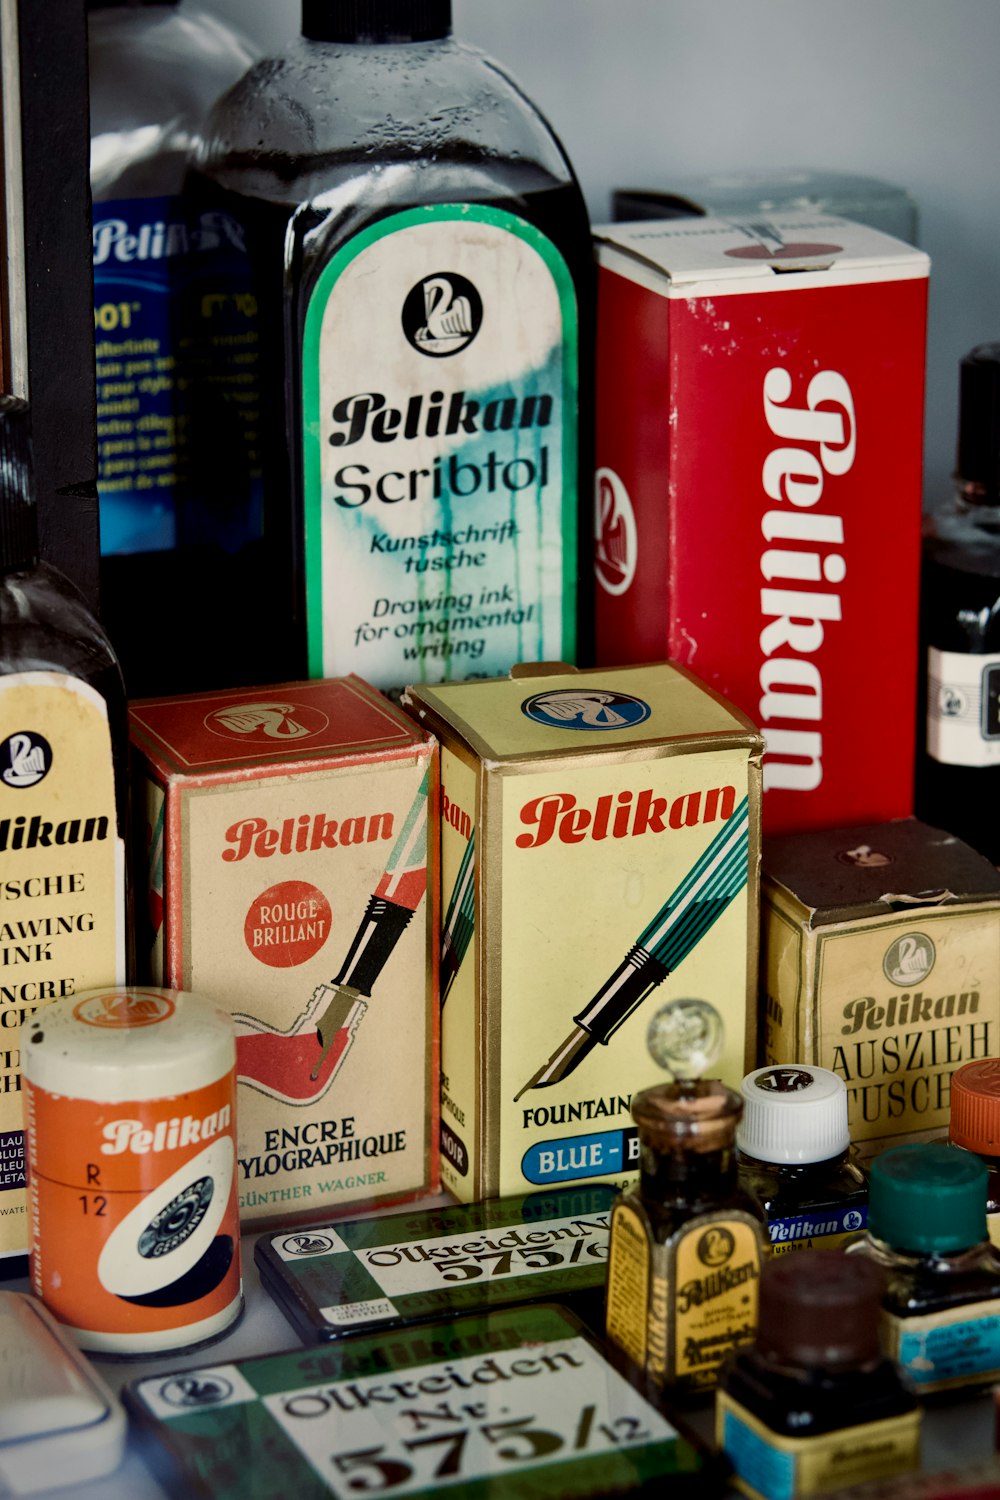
{"x":795,"y":1157}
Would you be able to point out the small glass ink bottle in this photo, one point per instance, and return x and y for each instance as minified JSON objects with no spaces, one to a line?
{"x":975,"y":1126}
{"x":685,"y":1245}
{"x":794,"y":1155}
{"x":815,"y":1406}
{"x":927,"y":1229}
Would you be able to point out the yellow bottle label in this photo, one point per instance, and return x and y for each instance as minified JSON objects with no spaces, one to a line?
{"x":769,"y":1466}
{"x":677,"y":1309}
{"x":629,"y":1275}
{"x":993,"y":1228}
{"x":716,"y":1273}
{"x":62,"y":882}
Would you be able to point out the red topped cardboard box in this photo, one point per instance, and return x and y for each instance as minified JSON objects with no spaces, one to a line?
{"x":287,"y":834}
{"x":759,"y":433}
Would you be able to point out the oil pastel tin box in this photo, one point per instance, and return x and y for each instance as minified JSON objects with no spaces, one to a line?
{"x":387,"y":1270}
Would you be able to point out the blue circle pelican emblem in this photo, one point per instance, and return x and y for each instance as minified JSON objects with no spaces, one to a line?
{"x":585,"y":708}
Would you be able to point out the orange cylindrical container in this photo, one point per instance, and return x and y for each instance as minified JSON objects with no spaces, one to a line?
{"x":130,"y":1110}
{"x":975,"y":1125}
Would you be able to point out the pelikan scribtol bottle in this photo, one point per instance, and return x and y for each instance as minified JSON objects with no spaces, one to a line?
{"x":814,"y":1405}
{"x":927,"y":1230}
{"x":421,"y":262}
{"x":686,"y":1244}
{"x":795,"y":1156}
{"x":63,"y":794}
{"x":975,"y":1126}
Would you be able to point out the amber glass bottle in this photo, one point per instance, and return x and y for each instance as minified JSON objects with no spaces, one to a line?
{"x":815,"y":1406}
{"x":927,"y":1230}
{"x":686,"y":1245}
{"x":63,"y":794}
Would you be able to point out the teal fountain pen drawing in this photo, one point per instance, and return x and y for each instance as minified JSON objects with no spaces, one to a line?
{"x":718,"y":875}
{"x":459,"y":919}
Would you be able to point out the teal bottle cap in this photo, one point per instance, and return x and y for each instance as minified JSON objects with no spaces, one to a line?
{"x":927,"y":1198}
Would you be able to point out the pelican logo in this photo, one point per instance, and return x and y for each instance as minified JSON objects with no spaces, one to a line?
{"x":307,"y":1244}
{"x":442,"y":314}
{"x":585,"y":708}
{"x":617,"y":548}
{"x":266,"y":720}
{"x":195,"y":1390}
{"x":766,"y":242}
{"x":715,"y":1246}
{"x":909,"y":959}
{"x":125,"y":1009}
{"x":25,"y":758}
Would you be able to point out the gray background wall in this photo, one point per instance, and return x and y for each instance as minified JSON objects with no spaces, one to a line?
{"x":645,"y":91}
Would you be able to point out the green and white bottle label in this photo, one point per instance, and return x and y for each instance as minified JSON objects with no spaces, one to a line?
{"x":440,"y":450}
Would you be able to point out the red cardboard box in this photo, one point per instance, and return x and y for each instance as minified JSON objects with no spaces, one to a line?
{"x":290,"y":834}
{"x":758,"y":502}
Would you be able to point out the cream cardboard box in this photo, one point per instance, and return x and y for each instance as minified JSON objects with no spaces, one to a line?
{"x":880,"y":959}
{"x":288,"y":838}
{"x":599,"y":858}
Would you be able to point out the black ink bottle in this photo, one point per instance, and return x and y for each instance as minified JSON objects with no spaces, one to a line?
{"x":63,"y":788}
{"x":958,"y":765}
{"x":927,"y":1230}
{"x":794,"y":1154}
{"x":420,"y":255}
{"x":686,"y":1244}
{"x":815,"y":1406}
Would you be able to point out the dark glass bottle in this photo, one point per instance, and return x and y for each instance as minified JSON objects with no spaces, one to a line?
{"x":795,"y":1156}
{"x":171,"y":527}
{"x":927,"y":1230}
{"x":958,"y":763}
{"x":686,"y":1244}
{"x":63,"y":793}
{"x":419,"y":253}
{"x":975,"y":1126}
{"x":814,"y":1406}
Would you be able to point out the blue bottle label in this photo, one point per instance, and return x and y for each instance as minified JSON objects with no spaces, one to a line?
{"x":176,"y":347}
{"x":948,"y":1349}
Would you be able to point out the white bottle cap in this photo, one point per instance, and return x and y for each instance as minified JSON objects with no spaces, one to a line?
{"x":793,"y":1114}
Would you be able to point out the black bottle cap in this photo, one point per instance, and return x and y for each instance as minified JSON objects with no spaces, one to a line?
{"x":978,"y":462}
{"x":18,"y":517}
{"x":376,"y":20}
{"x":820,"y":1308}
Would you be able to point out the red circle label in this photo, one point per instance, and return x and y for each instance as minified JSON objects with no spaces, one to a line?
{"x":287,"y":924}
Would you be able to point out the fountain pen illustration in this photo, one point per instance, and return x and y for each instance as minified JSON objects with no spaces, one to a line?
{"x":388,"y":913}
{"x":718,"y":875}
{"x":459,"y":919}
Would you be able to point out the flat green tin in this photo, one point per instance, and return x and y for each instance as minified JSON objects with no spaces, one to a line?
{"x":498,"y":1406}
{"x":388,"y":1270}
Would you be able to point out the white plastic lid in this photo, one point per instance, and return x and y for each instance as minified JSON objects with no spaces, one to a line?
{"x":127,"y":1043}
{"x":793,"y":1114}
{"x":59,"y":1422}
